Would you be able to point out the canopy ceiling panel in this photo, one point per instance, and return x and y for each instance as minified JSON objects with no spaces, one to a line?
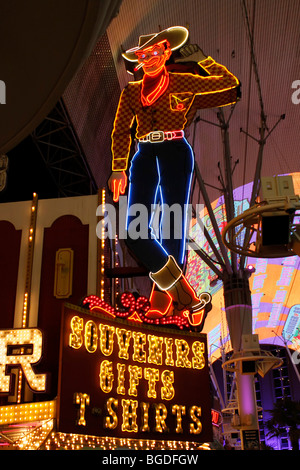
{"x":42,"y":45}
{"x":220,"y":29}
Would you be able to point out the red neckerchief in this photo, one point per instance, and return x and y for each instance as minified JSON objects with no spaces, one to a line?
{"x":154,"y":87}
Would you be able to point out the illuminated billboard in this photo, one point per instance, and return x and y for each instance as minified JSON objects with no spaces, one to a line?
{"x":274,"y":285}
{"x":124,"y":379}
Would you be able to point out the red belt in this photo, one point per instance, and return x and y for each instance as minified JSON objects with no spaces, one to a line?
{"x":161,"y":136}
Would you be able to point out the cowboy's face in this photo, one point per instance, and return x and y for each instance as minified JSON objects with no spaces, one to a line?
{"x":154,"y":58}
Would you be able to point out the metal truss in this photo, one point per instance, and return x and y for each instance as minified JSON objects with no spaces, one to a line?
{"x":61,"y":151}
{"x":232,"y":271}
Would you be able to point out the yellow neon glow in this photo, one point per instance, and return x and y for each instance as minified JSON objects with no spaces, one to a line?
{"x":75,"y":338}
{"x":145,"y":417}
{"x":31,"y":338}
{"x":59,"y":440}
{"x":198,"y":360}
{"x":185,"y":34}
{"x":135,"y":374}
{"x":129,"y":415}
{"x":182,"y":352}
{"x":152,"y":375}
{"x":90,"y":336}
{"x":196,"y":426}
{"x":174,"y":106}
{"x":121,"y":379}
{"x":169,"y":361}
{"x":27,"y":412}
{"x":160,"y":350}
{"x":161,"y":414}
{"x":124,"y":337}
{"x":106,"y":376}
{"x":167,"y":390}
{"x":25,"y":310}
{"x":139,"y":341}
{"x":155,"y":349}
{"x":83,"y":400}
{"x":111,"y":421}
{"x":106,"y":339}
{"x":179,"y":410}
{"x":19,"y":392}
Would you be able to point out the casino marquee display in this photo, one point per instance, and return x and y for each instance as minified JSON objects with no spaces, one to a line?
{"x":124,"y":380}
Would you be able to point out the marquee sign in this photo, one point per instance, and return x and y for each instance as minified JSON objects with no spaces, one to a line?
{"x":22,"y":348}
{"x":123,"y":379}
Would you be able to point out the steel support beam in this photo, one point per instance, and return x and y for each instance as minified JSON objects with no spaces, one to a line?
{"x":62,"y":153}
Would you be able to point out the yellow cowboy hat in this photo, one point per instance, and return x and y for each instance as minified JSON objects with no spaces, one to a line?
{"x":176,"y":36}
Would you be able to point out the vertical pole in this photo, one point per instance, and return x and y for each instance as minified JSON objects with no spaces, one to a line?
{"x":228,"y":190}
{"x":101,"y":246}
{"x":28,"y":278}
{"x":224,"y":377}
{"x":256,"y":182}
{"x":247,"y":411}
{"x":238,"y":309}
{"x":28,"y":282}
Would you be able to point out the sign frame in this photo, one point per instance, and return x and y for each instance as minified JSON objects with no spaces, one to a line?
{"x":118,"y":405}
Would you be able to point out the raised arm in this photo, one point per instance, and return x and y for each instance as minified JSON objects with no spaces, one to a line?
{"x":219,"y":88}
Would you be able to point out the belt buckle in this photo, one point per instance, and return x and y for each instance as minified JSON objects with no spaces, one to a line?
{"x":156,"y":136}
{"x":170,"y":135}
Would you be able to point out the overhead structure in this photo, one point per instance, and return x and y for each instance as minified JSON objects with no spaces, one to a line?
{"x":247,"y":357}
{"x":62,"y":153}
{"x":229,"y":266}
{"x":42,"y":45}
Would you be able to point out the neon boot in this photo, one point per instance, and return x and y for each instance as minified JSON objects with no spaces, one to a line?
{"x":160,"y":303}
{"x":186,"y":303}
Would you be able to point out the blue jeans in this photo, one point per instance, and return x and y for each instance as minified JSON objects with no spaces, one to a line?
{"x":160,"y":173}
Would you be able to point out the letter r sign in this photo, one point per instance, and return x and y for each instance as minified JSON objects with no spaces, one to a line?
{"x":21,"y":347}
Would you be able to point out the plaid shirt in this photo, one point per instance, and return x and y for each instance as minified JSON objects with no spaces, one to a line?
{"x":174,"y":110}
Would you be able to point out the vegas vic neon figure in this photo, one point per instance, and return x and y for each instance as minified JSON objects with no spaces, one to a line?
{"x":161,"y":104}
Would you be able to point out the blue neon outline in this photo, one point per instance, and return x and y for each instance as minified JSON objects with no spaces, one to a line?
{"x":185,"y":210}
{"x":154,"y":205}
{"x":161,"y":203}
{"x":158,"y":188}
{"x":185,"y":207}
{"x":187,"y":200}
